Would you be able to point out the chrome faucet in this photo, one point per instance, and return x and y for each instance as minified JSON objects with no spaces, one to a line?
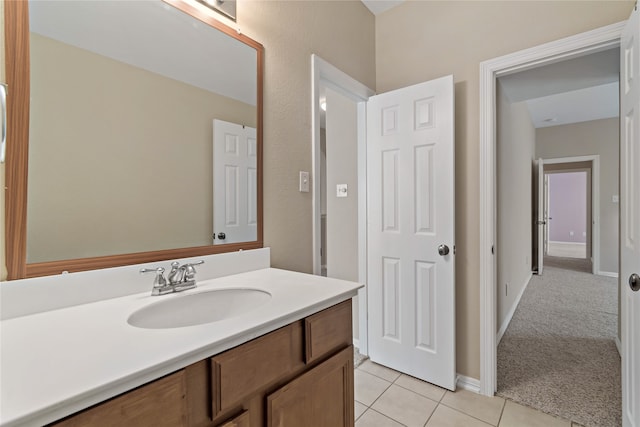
{"x":180,"y":278}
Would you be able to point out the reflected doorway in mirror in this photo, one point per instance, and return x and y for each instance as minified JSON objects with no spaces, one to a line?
{"x":235,"y":184}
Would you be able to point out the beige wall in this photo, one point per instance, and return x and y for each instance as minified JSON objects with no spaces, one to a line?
{"x":142,"y":143}
{"x":342,"y":212}
{"x":418,"y":41}
{"x":516,"y":138}
{"x":340,"y":32}
{"x":599,"y":137}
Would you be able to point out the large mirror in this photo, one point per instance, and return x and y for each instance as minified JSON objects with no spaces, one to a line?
{"x":143,"y":138}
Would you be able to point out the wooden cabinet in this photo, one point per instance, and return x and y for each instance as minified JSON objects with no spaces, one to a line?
{"x":241,"y":420}
{"x":321,"y":397}
{"x":160,"y":403}
{"x":298,"y":375}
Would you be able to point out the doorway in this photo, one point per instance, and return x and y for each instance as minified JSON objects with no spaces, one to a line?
{"x":571,"y":47}
{"x":563,"y":126}
{"x":351,"y":94}
{"x":568,"y":237}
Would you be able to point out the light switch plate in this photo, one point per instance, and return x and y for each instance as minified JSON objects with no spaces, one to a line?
{"x":304,"y":182}
{"x":341,"y":190}
{"x":615,"y":199}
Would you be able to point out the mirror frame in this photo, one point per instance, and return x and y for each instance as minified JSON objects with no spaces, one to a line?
{"x":16,"y":16}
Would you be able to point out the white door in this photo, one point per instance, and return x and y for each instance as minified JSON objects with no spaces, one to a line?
{"x":410,"y":205}
{"x":235,"y":185}
{"x":630,"y":219}
{"x":541,"y":220}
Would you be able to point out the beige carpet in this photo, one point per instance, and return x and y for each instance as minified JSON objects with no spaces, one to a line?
{"x":575,"y":264}
{"x":558,"y":353}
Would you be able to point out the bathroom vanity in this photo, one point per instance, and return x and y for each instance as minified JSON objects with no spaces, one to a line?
{"x":285,"y":362}
{"x":298,"y":375}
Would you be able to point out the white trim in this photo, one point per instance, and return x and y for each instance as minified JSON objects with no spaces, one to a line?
{"x":607,"y":274}
{"x":618,"y":346}
{"x":507,"y":320}
{"x":580,"y":44}
{"x":468,"y":383}
{"x":595,"y":201}
{"x":356,"y":343}
{"x":325,"y":74}
{"x":569,"y":243}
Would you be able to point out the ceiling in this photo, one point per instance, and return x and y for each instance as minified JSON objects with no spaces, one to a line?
{"x":214,"y":62}
{"x":378,"y":6}
{"x":571,"y":91}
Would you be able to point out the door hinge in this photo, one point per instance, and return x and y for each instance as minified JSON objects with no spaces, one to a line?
{"x":454,"y":249}
{"x":493,"y":250}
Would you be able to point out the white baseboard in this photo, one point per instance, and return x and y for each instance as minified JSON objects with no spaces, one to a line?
{"x":507,"y":320}
{"x":607,"y":274}
{"x":619,"y":346}
{"x":567,"y":243}
{"x":468,"y":383}
{"x":356,"y":343}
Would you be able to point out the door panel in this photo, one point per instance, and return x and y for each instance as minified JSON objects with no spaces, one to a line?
{"x":630,"y":219}
{"x":235,"y":184}
{"x":410,"y":197}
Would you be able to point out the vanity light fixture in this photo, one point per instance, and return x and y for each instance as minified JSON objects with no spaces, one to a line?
{"x":224,"y":7}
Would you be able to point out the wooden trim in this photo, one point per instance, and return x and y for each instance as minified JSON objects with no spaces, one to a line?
{"x":16,"y":16}
{"x":84,"y":264}
{"x":17,"y":66}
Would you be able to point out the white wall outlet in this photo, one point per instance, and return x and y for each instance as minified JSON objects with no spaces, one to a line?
{"x":304,"y":182}
{"x":615,"y":198}
{"x":584,"y":234}
{"x":571,"y":233}
{"x":341,"y":190}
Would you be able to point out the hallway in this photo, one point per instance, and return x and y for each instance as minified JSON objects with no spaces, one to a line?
{"x":559,"y":353}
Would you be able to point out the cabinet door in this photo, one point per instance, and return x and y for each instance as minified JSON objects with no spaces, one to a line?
{"x":160,"y":403}
{"x":241,"y":420}
{"x":322,"y":397}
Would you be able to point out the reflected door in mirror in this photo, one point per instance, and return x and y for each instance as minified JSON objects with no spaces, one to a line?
{"x":234,"y":183}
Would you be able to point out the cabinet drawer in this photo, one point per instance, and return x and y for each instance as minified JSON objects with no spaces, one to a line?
{"x":160,"y":403}
{"x":328,"y":331}
{"x":248,"y":368}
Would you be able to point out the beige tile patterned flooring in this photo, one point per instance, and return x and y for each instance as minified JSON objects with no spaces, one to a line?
{"x":384,"y":397}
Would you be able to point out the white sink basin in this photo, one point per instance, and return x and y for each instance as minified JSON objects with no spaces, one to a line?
{"x":198,"y":308}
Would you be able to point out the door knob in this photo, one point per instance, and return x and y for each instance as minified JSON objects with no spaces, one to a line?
{"x":634,"y":282}
{"x":443,"y":250}
{"x":222,"y":236}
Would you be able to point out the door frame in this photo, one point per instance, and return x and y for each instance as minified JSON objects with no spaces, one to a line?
{"x":570,"y":47}
{"x":595,"y":203}
{"x":325,"y":74}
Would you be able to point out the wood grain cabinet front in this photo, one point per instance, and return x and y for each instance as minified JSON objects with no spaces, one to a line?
{"x":321,"y":397}
{"x":245,"y":370}
{"x":160,"y":403}
{"x":327,"y":331}
{"x":242,"y":420}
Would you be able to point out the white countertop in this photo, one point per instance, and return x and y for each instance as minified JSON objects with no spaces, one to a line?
{"x":55,"y":363}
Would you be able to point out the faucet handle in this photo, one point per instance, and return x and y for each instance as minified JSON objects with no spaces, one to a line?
{"x":159,"y":281}
{"x":190,"y":271}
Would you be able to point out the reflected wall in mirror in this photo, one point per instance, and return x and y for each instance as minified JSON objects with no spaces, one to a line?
{"x":123,"y":99}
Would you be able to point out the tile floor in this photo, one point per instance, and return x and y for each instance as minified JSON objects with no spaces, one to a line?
{"x":386,"y":398}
